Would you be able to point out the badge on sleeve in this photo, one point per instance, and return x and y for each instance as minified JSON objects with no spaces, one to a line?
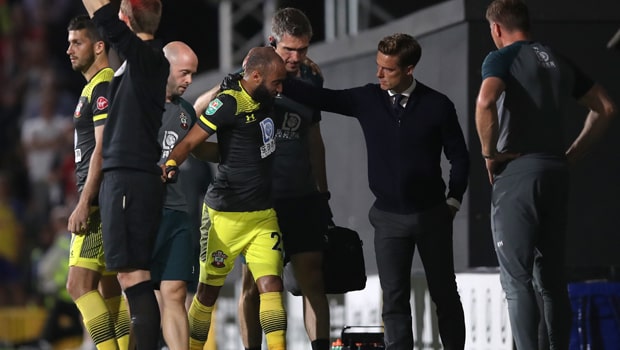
{"x":102,"y":103}
{"x":214,"y":106}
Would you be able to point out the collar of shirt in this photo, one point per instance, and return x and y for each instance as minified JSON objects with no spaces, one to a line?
{"x":405,"y":93}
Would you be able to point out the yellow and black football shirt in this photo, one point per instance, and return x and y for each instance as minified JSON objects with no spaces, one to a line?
{"x":91,"y":111}
{"x":246,"y":138}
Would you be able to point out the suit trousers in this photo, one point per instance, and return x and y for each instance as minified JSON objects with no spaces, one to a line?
{"x":396,"y":236}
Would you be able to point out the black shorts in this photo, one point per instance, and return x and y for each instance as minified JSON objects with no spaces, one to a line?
{"x":302,"y":223}
{"x":131,"y":205}
{"x":173,"y":258}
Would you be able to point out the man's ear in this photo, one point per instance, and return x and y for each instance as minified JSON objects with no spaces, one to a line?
{"x":409,"y":69}
{"x":253,"y":77}
{"x":99,"y":47}
{"x":257,"y":77}
{"x":272,"y":41}
{"x":497,"y":29}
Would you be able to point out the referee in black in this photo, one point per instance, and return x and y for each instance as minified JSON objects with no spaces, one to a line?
{"x":131,"y":194}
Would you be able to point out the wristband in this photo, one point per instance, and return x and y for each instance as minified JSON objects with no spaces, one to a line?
{"x":171,"y":167}
{"x":489,"y":156}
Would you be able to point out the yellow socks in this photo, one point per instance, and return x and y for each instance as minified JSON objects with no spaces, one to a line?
{"x":119,"y":312}
{"x":199,"y":324}
{"x":273,"y":320}
{"x":97,"y":320}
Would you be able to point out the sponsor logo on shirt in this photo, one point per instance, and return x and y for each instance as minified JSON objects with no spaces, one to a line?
{"x":102,"y":103}
{"x":77,"y":155}
{"x":214,"y":106}
{"x":168,"y":143}
{"x":543,"y":57}
{"x":268,"y":129}
{"x":289,"y":130}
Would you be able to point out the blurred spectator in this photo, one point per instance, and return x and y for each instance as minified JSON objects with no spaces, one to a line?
{"x":42,"y":138}
{"x":52,"y":269}
{"x":32,"y":70}
{"x":11,"y":276}
{"x":36,"y":152}
{"x":63,"y":183}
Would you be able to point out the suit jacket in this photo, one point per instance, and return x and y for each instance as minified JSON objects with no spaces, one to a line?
{"x":404,"y":150}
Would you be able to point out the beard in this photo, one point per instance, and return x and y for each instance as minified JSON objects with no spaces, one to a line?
{"x":262,"y":94}
{"x":83,"y":66}
{"x":78,"y":67}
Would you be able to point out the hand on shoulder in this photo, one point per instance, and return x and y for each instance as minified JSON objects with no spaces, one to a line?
{"x":313,"y":66}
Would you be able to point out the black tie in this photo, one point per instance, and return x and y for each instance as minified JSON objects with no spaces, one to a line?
{"x":396,"y":105}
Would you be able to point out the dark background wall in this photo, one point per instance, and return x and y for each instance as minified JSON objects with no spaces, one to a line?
{"x":455,"y":39}
{"x":581,"y":34}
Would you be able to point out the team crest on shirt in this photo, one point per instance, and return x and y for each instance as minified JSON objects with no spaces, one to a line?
{"x":77,"y":113}
{"x":102,"y":103}
{"x":183,"y":118}
{"x":214,"y":106}
{"x":218,"y":259}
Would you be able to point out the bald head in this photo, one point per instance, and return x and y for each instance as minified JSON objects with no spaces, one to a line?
{"x":177,"y":52}
{"x":262,"y":59}
{"x":264,"y":72}
{"x":183,"y":64}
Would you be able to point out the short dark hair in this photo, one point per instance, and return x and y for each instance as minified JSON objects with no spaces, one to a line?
{"x":261,"y":59}
{"x":511,"y":14}
{"x":402,"y":45}
{"x":144,"y":15}
{"x":290,"y":21}
{"x":83,"y":22}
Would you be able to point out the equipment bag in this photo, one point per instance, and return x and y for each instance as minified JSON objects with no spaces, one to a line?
{"x":343,"y":263}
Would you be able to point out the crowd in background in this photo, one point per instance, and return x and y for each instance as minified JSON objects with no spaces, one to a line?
{"x":37,"y":181}
{"x":38,"y":95}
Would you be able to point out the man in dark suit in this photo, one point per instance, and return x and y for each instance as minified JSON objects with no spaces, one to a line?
{"x":407,"y":125}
